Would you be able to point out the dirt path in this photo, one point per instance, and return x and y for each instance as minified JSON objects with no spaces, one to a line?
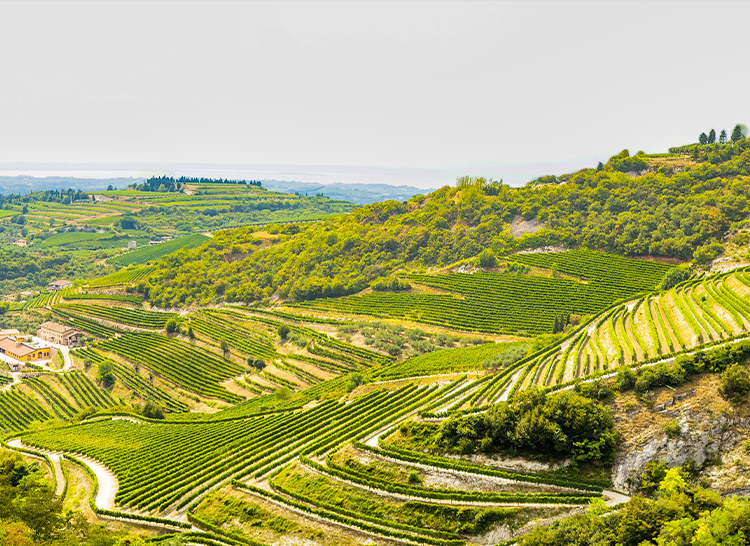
{"x":16,"y":380}
{"x":54,"y":457}
{"x":614,"y":498}
{"x":108,"y":485}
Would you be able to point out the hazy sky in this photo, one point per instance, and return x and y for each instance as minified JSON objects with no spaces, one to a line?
{"x":502,"y":89}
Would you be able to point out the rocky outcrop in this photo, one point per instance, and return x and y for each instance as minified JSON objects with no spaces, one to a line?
{"x":702,"y":436}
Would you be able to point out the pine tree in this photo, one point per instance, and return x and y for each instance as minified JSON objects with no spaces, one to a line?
{"x":723,"y":137}
{"x":737,"y":134}
{"x":599,"y":167}
{"x":703,"y":139}
{"x":556,"y":327}
{"x":712,"y":137}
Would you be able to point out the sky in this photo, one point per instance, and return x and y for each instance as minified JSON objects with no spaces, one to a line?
{"x":396,"y":92}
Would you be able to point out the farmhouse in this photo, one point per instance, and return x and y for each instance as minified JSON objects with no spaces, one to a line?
{"x":59,"y":333}
{"x":59,"y":285}
{"x":23,"y":351}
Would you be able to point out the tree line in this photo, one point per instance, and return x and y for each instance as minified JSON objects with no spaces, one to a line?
{"x":710,"y":138}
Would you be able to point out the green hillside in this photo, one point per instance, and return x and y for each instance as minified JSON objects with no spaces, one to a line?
{"x":448,"y":371}
{"x":676,"y":207}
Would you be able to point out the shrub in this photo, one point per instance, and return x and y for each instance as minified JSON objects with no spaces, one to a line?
{"x":283,"y":331}
{"x":673,"y":429}
{"x":487,"y":258}
{"x":675,"y":276}
{"x":735,"y":382}
{"x":152,"y":410}
{"x":171,"y":326}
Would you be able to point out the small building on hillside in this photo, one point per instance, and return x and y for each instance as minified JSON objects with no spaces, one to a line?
{"x":24,"y":352}
{"x":132,"y":244}
{"x":21,"y":242}
{"x":60,"y":285}
{"x":61,"y":334}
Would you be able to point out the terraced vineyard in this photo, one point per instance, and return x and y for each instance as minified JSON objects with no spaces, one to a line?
{"x":186,"y":365}
{"x":152,"y":253}
{"x":511,"y":303}
{"x":696,"y":313}
{"x":122,"y":315}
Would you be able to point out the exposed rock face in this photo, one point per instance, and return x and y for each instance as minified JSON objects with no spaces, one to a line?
{"x":702,"y":436}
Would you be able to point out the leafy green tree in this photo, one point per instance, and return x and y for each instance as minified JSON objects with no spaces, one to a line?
{"x":255,"y":362}
{"x":703,"y":139}
{"x":737,"y":133}
{"x":283,"y":332}
{"x":106,"y":373}
{"x":152,"y":410}
{"x":723,"y":137}
{"x":735,"y":382}
{"x":224,"y":346}
{"x":712,"y":137}
{"x":190,"y":333}
{"x":675,"y":276}
{"x":283,"y":393}
{"x":487,"y":258}
{"x":171,"y":326}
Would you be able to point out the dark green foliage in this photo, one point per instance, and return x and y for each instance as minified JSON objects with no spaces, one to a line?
{"x":735,"y":382}
{"x":152,"y":410}
{"x":712,"y":137}
{"x":255,"y":362}
{"x":723,"y":137}
{"x":624,"y":163}
{"x":675,"y":276}
{"x":707,"y":252}
{"x":283,"y":331}
{"x":737,"y":133}
{"x":558,"y":425}
{"x":703,"y":139}
{"x":487,"y":258}
{"x":171,"y":326}
{"x":105,"y":374}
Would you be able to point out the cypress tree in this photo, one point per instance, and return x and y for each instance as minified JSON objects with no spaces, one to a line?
{"x":723,"y":137}
{"x":703,"y":139}
{"x":712,"y":137}
{"x":599,"y":167}
{"x":737,"y":134}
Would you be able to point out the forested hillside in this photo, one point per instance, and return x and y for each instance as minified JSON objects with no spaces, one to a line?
{"x":670,"y":205}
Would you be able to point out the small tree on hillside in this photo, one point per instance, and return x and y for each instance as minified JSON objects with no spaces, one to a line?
{"x":723,"y":137}
{"x":190,"y":332}
{"x":255,"y":362}
{"x":487,"y":258}
{"x":171,"y":326}
{"x":106,"y":375}
{"x":735,"y":382}
{"x":737,"y":133}
{"x":283,"y":331}
{"x":712,"y":137}
{"x":224,"y":347}
{"x":703,"y":139}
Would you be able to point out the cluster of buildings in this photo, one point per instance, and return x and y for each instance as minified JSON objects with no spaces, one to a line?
{"x":13,"y":344}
